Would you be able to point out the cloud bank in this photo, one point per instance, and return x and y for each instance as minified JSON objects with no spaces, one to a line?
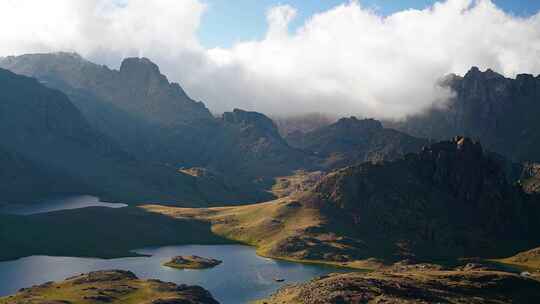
{"x":349,"y":60}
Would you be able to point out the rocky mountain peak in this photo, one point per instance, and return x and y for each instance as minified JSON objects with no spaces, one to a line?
{"x":473,"y":71}
{"x":138,"y":65}
{"x":142,"y":73}
{"x":361,"y":124}
{"x":458,"y":145}
{"x":463,"y":168}
{"x":477,"y":74}
{"x":525,"y":78}
{"x":253,"y":119}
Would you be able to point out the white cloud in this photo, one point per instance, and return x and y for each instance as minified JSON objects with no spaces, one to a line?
{"x":104,"y":30}
{"x":348,"y":60}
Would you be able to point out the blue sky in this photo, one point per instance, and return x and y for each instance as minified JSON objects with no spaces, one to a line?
{"x":225,"y":23}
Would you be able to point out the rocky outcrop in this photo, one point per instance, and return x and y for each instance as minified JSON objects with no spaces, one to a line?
{"x":450,"y":199}
{"x":530,"y":177}
{"x":425,"y":286}
{"x":110,"y":286}
{"x":499,"y":111}
{"x":192,"y":262}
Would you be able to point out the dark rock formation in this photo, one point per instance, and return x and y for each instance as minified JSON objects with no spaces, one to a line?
{"x":451,"y":199}
{"x":501,"y":112}
{"x":427,"y":286}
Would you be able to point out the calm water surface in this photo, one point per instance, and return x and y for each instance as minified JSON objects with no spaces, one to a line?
{"x":243,"y":276}
{"x":56,"y":204}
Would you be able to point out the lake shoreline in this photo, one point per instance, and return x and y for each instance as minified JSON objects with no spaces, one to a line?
{"x":242,"y":277}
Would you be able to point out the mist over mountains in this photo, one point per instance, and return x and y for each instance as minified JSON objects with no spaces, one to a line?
{"x":501,"y":112}
{"x":334,"y":59}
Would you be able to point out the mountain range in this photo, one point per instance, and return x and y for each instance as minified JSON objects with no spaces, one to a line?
{"x":49,"y":148}
{"x":152,"y":121}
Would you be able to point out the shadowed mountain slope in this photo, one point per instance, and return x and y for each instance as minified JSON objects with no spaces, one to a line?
{"x":135,"y":105}
{"x":501,"y":112}
{"x":47,"y":137}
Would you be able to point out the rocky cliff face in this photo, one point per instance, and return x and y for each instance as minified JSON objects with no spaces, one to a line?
{"x":450,"y":199}
{"x":351,"y":141}
{"x":499,"y":111}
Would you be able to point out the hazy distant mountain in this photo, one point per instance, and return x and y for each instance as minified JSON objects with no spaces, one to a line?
{"x":351,"y":141}
{"x":137,"y":87}
{"x":50,"y":146}
{"x":501,"y":112}
{"x":136,"y":105}
{"x":302,"y":123}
